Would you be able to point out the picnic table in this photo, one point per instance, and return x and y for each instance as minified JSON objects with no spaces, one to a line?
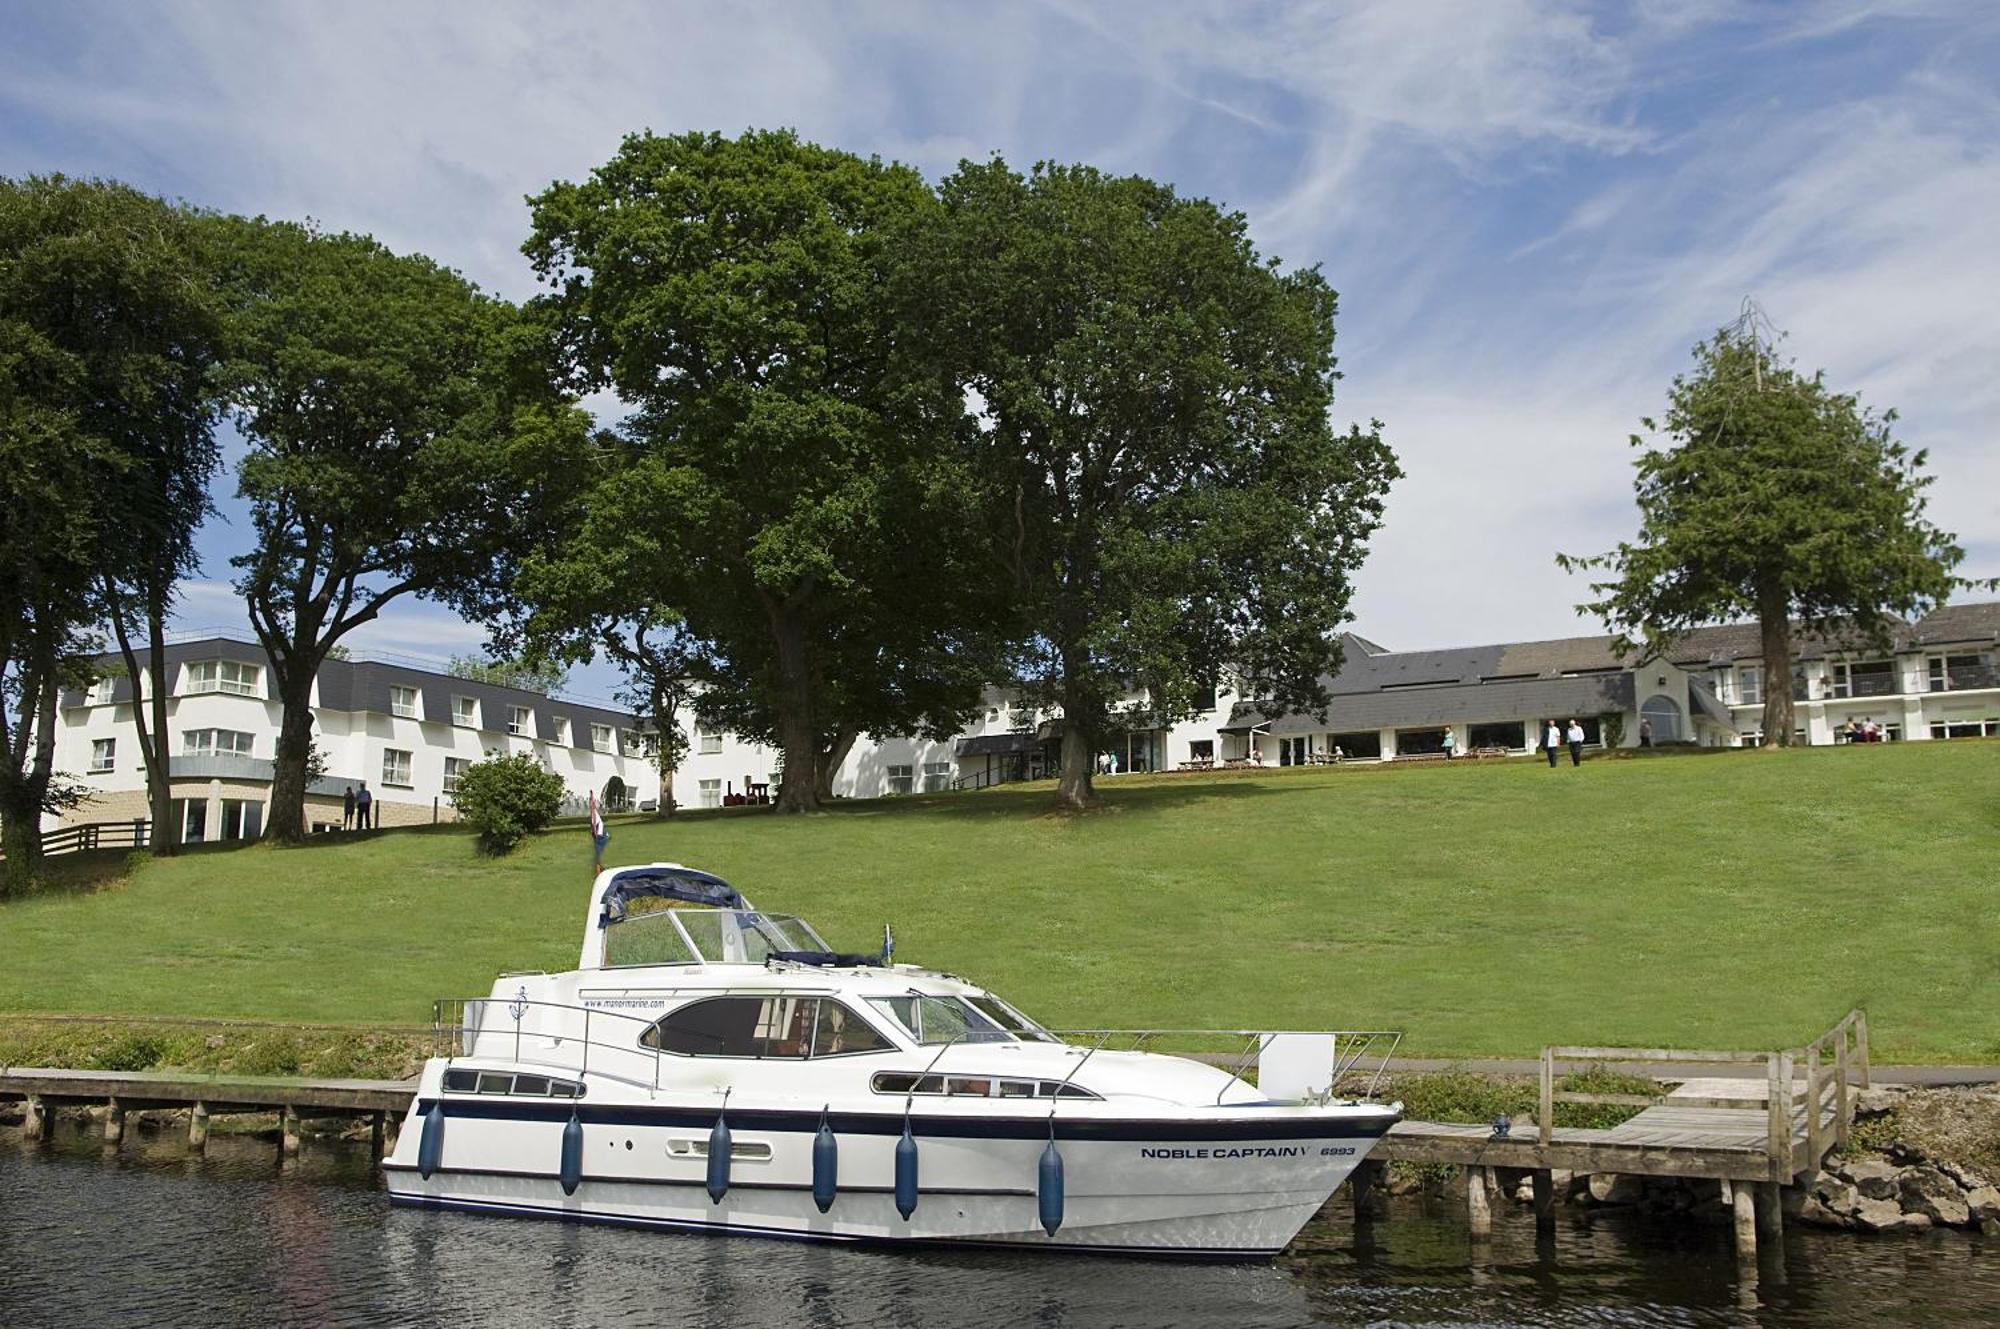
{"x":1199,"y":764}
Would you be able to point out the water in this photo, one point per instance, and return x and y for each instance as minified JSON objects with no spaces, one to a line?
{"x":150,"y":1236}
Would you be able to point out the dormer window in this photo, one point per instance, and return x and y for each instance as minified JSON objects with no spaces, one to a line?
{"x":244,"y":680}
{"x":520,"y":722}
{"x":403,"y":702}
{"x":101,"y":692}
{"x":562,"y":731}
{"x":465,"y":712}
{"x":600,"y":737}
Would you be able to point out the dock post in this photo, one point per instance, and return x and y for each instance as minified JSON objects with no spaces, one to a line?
{"x":289,"y":1144}
{"x":1744,"y":1202}
{"x":377,"y":1126}
{"x":198,"y":1128}
{"x":1770,"y":1210}
{"x":1362,"y":1183}
{"x":114,"y":1121}
{"x":40,"y":1122}
{"x":1478,"y":1214}
{"x":1545,"y":1200}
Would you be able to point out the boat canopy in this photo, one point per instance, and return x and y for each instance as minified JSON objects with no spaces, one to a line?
{"x":666,"y":881}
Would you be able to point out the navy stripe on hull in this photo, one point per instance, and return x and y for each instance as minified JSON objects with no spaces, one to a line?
{"x":825,"y":1238}
{"x":1155,"y":1131}
{"x":701,"y":1183}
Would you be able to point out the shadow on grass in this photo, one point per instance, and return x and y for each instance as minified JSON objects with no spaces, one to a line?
{"x":84,"y":872}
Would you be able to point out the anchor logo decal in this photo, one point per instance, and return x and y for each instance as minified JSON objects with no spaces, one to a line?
{"x":519,"y":1006}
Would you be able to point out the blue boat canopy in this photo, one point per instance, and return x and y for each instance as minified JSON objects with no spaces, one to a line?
{"x":669,"y":883}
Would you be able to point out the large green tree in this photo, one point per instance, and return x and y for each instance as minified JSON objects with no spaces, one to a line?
{"x":107,"y":335}
{"x":790,"y":488}
{"x":393,"y":450}
{"x":1762,"y":491}
{"x":1165,"y":494}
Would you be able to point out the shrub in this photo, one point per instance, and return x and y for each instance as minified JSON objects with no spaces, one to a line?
{"x":506,"y":798}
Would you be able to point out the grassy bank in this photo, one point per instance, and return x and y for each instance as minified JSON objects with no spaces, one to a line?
{"x":1733,"y":899}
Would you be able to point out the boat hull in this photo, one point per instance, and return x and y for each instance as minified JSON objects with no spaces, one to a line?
{"x":1229,"y":1187}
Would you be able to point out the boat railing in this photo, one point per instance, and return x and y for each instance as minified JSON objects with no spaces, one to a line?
{"x":1360,"y":1056}
{"x":561,"y":1036}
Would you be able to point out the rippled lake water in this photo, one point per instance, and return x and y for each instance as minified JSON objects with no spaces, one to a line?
{"x":150,"y":1236}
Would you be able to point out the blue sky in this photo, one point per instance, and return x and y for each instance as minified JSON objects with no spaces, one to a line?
{"x":1531,"y":209}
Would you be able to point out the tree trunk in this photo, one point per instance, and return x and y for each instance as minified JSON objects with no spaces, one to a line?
{"x":1079,"y":763}
{"x":165,"y":836}
{"x":798,"y":788}
{"x":665,"y":807}
{"x":828,"y":764}
{"x":20,"y":838}
{"x":1774,"y":620}
{"x":288,"y":778}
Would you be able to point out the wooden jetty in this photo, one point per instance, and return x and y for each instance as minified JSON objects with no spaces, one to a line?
{"x":1756,"y":1134}
{"x":382,"y":1102}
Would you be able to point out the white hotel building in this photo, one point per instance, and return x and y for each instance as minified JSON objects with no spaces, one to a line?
{"x":407,"y":732}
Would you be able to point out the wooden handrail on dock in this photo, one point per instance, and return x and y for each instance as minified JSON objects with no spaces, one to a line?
{"x":1826,"y":1125}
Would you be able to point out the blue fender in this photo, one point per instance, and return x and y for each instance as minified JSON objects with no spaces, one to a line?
{"x":906,"y":1173}
{"x":718,"y":1161}
{"x":826,"y":1167}
{"x":430,"y":1145}
{"x":1049,"y":1188}
{"x":571,"y":1175}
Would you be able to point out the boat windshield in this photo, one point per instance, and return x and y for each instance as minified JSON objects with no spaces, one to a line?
{"x":941,"y":1019}
{"x":1015,"y":1023}
{"x":707,"y":936}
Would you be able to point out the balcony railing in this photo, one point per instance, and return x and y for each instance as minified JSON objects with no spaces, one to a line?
{"x":1866,"y":685}
{"x":1965,"y":678}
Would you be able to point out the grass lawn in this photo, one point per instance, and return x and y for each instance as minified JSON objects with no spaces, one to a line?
{"x":1731,"y":899}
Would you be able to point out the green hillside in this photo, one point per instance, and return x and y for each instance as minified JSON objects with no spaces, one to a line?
{"x":1727,"y":899}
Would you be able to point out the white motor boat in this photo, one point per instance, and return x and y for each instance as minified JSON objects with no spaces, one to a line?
{"x":711,"y":1067}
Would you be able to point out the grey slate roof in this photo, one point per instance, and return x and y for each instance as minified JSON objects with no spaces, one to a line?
{"x":1420,"y":708}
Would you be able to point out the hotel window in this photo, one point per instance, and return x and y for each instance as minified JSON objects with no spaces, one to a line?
{"x":103,"y":753}
{"x":708,"y":741}
{"x":1201,"y":749}
{"x":900,"y":780}
{"x":454,"y":767}
{"x":600,"y":737}
{"x":937,"y":776}
{"x":1865,"y":678}
{"x":1718,"y":683}
{"x":225,"y":676}
{"x":242,"y":819}
{"x":562,"y":731}
{"x":465,"y":712}
{"x":100,"y":692}
{"x":1951,"y":673}
{"x":634,"y":744}
{"x":1965,"y":728}
{"x":1750,"y":685}
{"x":711,"y":794}
{"x":520,"y":722}
{"x":396,"y":767}
{"x":403,"y":702}
{"x":215,"y":742}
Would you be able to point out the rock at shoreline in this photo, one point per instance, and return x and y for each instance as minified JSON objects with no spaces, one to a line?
{"x":1616,"y":1188}
{"x":1875,"y":1181}
{"x":1928,"y":1191}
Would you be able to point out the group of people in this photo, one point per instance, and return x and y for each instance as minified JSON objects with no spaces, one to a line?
{"x":1864,"y":730}
{"x":1556,"y":735}
{"x":357,"y":810}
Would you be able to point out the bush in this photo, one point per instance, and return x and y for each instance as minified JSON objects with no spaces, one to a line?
{"x":506,"y":798}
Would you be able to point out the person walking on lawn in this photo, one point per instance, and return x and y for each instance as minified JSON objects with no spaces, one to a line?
{"x":1575,"y":737}
{"x":1552,"y":741}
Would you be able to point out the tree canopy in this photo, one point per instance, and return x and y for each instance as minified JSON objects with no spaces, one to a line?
{"x":1162,"y":488}
{"x":107,"y":335}
{"x":393,"y":449}
{"x":787,"y":486}
{"x":1775,"y":496}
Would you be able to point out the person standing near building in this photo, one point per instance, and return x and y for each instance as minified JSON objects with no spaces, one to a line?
{"x":1552,"y":741}
{"x":347,"y":809}
{"x":1450,"y":744}
{"x":1575,"y":736}
{"x":1645,"y":732}
{"x":364,"y":809}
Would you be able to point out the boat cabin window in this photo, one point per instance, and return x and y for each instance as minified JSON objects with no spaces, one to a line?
{"x":975,"y":1086}
{"x":940,"y":1019}
{"x":769,"y":1026}
{"x":462,"y":1080}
